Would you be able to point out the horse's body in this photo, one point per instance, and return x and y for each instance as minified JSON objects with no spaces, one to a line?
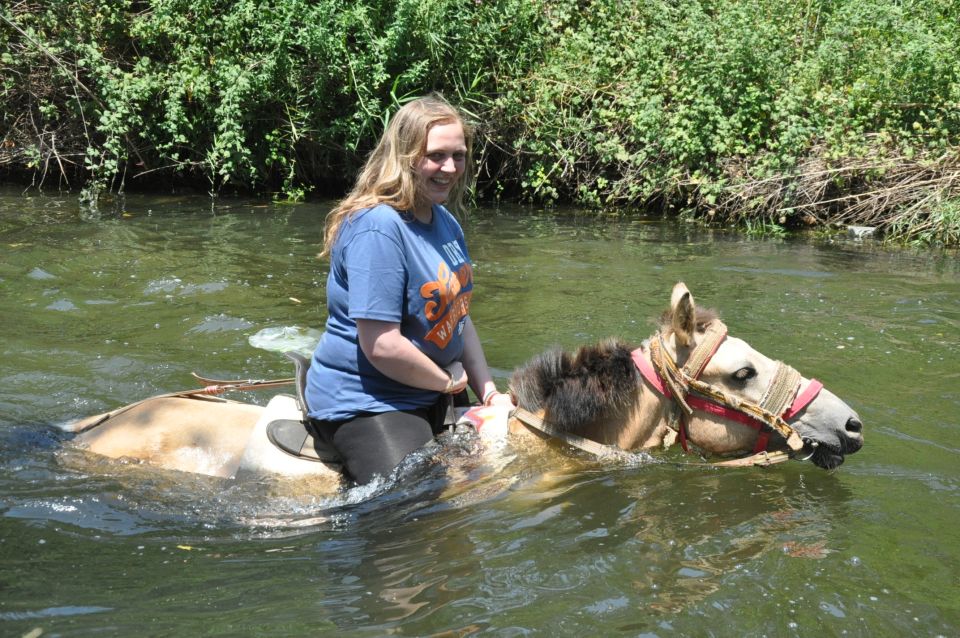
{"x":598,"y":394}
{"x":203,"y":435}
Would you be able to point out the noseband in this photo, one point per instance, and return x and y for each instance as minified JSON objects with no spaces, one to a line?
{"x":689,"y":393}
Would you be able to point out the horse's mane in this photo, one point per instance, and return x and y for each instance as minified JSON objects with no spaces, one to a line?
{"x":575,"y":390}
{"x":579,"y":389}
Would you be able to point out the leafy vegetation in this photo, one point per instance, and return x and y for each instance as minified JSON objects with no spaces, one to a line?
{"x":783,"y":114}
{"x":281,"y":94}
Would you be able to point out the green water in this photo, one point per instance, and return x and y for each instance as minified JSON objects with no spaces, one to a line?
{"x":101,"y":310}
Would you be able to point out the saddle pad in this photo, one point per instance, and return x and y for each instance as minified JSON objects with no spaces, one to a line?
{"x":262,"y":456}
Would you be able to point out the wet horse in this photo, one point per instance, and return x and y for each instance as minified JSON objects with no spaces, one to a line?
{"x":690,"y":383}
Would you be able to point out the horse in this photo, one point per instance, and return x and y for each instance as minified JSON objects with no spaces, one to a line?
{"x":690,"y":383}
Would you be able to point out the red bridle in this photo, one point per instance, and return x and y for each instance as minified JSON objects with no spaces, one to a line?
{"x":689,"y":393}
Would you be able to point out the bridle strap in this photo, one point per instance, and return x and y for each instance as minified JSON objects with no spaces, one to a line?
{"x":689,"y":393}
{"x":648,"y":373}
{"x":782,"y":389}
{"x":748,"y":413}
{"x":803,"y":399}
{"x":714,"y":335}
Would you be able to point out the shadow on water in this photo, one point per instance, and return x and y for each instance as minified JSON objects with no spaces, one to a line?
{"x":723,"y":522}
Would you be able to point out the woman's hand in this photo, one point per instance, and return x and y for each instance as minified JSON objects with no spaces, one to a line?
{"x":495,"y":398}
{"x":458,"y":378}
{"x":500,"y":399}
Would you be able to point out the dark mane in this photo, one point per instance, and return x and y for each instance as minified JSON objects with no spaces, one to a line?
{"x":579,"y":389}
{"x":575,"y":390}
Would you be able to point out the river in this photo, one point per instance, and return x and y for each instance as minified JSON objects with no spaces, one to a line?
{"x":103,"y":309}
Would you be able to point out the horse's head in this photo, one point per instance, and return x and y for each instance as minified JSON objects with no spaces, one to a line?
{"x":720,"y":394}
{"x":731,"y":375}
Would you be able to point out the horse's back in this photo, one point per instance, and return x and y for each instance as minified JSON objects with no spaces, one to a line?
{"x":179,"y":433}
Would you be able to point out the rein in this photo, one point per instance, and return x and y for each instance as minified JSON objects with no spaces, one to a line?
{"x":601,"y":451}
{"x":214,"y":387}
{"x":574,"y":440}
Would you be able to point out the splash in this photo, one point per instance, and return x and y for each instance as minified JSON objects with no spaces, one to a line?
{"x":286,"y":338}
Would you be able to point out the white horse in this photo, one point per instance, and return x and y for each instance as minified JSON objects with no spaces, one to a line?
{"x":705,"y":389}
{"x":690,"y":384}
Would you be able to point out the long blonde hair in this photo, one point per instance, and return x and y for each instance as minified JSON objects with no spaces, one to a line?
{"x":388,"y":176}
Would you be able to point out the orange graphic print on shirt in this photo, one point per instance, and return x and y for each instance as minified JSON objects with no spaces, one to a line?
{"x":448,"y":302}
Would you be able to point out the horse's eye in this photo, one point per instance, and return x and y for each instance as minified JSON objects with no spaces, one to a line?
{"x":744,"y":374}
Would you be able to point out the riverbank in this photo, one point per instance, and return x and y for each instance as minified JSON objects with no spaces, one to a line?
{"x":755,"y":113}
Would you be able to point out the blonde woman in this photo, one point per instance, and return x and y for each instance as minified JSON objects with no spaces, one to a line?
{"x":398,"y":337}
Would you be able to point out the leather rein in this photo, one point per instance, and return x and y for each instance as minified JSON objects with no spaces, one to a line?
{"x":781,"y":401}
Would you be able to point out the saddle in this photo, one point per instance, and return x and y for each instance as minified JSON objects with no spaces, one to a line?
{"x":297,"y":437}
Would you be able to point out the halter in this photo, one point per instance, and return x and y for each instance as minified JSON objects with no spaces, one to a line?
{"x":689,"y":393}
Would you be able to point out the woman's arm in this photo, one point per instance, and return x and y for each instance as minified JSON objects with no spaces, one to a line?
{"x":396,"y":357}
{"x":475,"y":364}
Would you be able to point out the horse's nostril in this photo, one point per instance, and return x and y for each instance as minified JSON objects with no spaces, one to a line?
{"x":854,"y":426}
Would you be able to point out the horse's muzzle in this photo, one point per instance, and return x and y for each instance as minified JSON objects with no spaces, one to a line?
{"x":830,"y":456}
{"x":853,"y":440}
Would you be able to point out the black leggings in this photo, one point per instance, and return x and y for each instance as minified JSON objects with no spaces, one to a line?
{"x":372,"y":444}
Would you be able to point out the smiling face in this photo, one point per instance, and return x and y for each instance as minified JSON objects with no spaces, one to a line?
{"x":442,"y":165}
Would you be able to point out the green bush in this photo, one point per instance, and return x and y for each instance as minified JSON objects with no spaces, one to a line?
{"x":651,"y":100}
{"x":281,"y":94}
{"x":787,"y":112}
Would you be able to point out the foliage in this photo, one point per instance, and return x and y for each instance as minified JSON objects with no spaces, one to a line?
{"x":696,"y":106}
{"x":651,"y":100}
{"x":280,"y":93}
{"x":935,"y":225}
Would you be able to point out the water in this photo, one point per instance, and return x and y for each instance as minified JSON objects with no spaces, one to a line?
{"x":99,"y":311}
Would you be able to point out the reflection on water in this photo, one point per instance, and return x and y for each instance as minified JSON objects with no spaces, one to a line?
{"x":100,"y":312}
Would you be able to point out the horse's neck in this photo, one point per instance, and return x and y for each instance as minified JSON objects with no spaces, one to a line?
{"x":646,"y":425}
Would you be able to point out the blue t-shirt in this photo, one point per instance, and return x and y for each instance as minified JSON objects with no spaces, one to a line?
{"x":390,"y":267}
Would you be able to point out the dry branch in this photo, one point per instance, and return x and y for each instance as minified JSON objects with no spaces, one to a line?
{"x":874,"y":192}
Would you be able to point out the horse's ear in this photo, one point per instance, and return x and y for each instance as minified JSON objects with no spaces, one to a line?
{"x":683,"y":316}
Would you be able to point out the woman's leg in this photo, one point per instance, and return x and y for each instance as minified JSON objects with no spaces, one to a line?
{"x":376,"y":443}
{"x":372,"y":444}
